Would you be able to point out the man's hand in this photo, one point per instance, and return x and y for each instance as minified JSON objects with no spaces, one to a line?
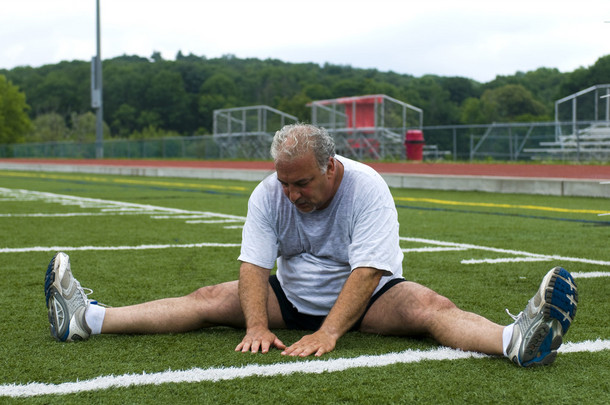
{"x":350,"y":305}
{"x":317,"y":343}
{"x":259,"y":338}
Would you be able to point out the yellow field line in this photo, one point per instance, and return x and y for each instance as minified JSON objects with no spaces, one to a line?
{"x":495,"y":205}
{"x":238,"y":188}
{"x":121,"y":181}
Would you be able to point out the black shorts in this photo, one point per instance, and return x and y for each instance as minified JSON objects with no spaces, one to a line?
{"x":295,"y":320}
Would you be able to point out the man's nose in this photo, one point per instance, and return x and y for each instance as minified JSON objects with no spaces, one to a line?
{"x":294,"y":193}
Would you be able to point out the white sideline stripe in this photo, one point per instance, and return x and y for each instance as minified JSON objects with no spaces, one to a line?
{"x":506,"y":260}
{"x":104,"y":205}
{"x":139,"y":247}
{"x":537,"y":258}
{"x":179,"y":216}
{"x":521,"y":255}
{"x":211,"y":221}
{"x":73,"y":214}
{"x":254,"y":370}
{"x":592,"y":274}
{"x":433,"y":249}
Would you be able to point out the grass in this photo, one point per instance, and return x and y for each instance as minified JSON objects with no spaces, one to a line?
{"x":555,"y":226}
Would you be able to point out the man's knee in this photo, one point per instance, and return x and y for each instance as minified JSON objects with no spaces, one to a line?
{"x":218,"y":303}
{"x":438,"y":302}
{"x":433,"y":307}
{"x":424,"y":305}
{"x":217,"y":292}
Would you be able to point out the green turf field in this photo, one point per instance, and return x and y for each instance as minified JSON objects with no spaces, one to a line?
{"x":133,"y":239}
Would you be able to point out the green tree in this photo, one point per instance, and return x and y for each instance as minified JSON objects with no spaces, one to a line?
{"x":14,"y":120}
{"x":471,"y":112}
{"x":218,"y":91}
{"x":65,"y":88}
{"x":297,"y":106}
{"x":153,"y":132}
{"x":583,"y":78}
{"x":428,"y":94}
{"x":83,"y":127}
{"x":49,"y":127}
{"x":125,"y":120}
{"x":460,"y":88}
{"x":509,"y":103}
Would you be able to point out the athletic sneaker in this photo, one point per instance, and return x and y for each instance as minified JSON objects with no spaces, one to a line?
{"x":539,"y":329}
{"x":66,"y":301}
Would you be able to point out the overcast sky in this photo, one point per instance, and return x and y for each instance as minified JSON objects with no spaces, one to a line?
{"x":475,"y":39}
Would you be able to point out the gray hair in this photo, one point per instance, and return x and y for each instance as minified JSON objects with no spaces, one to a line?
{"x":295,"y":140}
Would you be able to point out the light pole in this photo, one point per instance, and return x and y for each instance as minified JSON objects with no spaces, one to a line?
{"x":96,"y":92}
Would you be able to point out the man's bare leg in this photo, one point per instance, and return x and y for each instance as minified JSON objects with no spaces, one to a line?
{"x":208,"y":306}
{"x":411,"y":309}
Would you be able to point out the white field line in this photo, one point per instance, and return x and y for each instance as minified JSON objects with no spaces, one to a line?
{"x":433,"y":249}
{"x":179,"y":216}
{"x":138,"y":247}
{"x":109,"y":206}
{"x":593,"y":274}
{"x":521,"y":256}
{"x":211,"y":221}
{"x":195,"y":375}
{"x":72,"y":214}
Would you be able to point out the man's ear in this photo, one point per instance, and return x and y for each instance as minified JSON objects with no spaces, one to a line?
{"x":331,"y":166}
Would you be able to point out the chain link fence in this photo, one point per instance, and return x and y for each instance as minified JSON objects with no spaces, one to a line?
{"x":562,"y":141}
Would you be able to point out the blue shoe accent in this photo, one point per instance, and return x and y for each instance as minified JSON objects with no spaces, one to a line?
{"x":546,"y":354}
{"x":563,"y":297}
{"x":49,"y":278}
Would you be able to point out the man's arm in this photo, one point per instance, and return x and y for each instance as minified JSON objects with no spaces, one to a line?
{"x":253,"y":296}
{"x":348,"y":308}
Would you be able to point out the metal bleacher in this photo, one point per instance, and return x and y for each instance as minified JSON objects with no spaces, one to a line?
{"x":369,"y":126}
{"x":591,"y":142}
{"x":364,"y":127}
{"x":247,"y":132}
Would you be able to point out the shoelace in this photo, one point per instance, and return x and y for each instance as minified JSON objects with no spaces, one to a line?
{"x":521,"y":320}
{"x":88,"y":292}
{"x":515,"y":317}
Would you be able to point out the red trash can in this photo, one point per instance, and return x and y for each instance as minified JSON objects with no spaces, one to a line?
{"x":414,"y":144}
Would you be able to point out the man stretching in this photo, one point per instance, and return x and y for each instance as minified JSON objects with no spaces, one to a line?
{"x":330,"y":225}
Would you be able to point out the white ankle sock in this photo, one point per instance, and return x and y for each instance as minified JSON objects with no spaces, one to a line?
{"x":94,"y":316}
{"x":507,"y":333}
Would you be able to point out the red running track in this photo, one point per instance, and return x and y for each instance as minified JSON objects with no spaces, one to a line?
{"x":565,"y":171}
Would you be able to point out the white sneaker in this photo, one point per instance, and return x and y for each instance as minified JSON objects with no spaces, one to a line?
{"x":539,"y":329}
{"x":66,"y":301}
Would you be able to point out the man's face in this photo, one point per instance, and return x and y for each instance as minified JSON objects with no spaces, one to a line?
{"x":303,"y":183}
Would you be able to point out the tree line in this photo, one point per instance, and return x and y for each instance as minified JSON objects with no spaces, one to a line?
{"x":147,"y":97}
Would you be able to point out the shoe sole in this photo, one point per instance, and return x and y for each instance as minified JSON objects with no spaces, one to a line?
{"x":57,"y":308}
{"x":559,"y":309}
{"x":56,"y":305}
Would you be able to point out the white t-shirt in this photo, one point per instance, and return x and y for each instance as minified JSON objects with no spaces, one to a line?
{"x":317,"y":251}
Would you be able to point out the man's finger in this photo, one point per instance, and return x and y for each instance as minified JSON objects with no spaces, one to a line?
{"x":242,"y":346}
{"x":255,"y":346}
{"x":279,"y":344}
